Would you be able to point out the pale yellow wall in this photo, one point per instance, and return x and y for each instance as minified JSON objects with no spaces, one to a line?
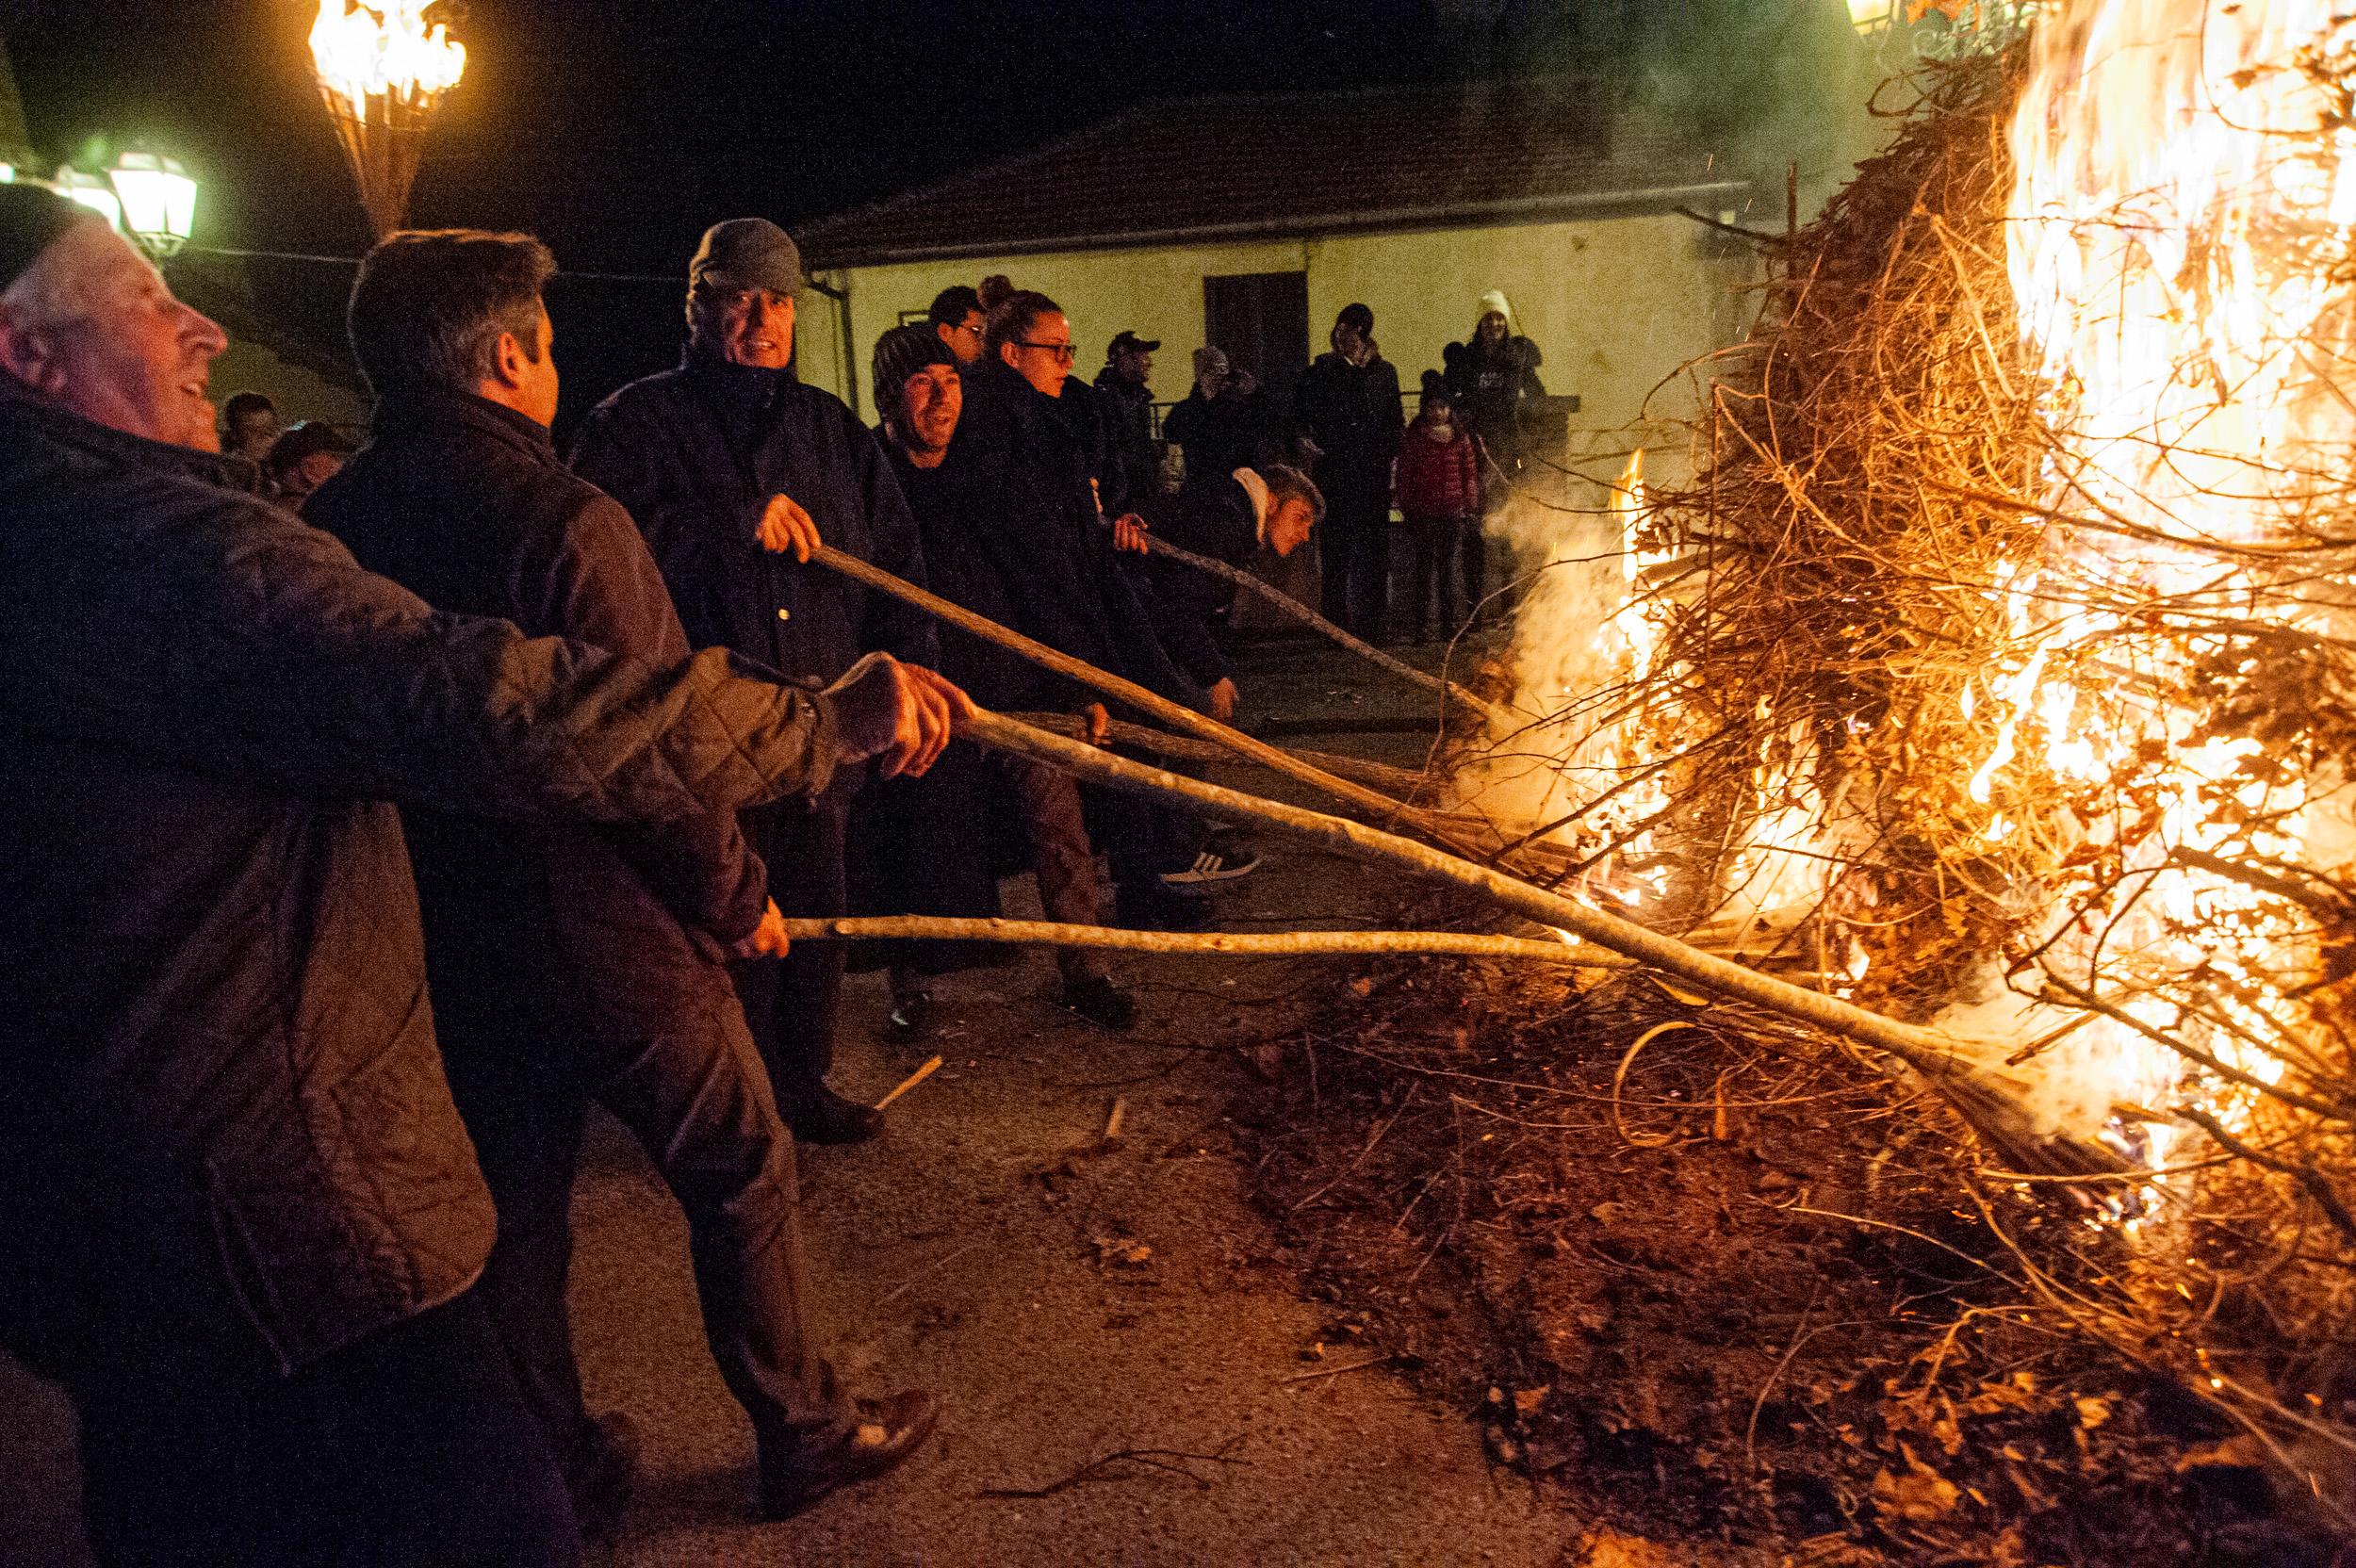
{"x":1615,"y":305}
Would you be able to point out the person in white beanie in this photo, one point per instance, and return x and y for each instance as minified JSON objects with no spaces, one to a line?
{"x":1490,"y":380}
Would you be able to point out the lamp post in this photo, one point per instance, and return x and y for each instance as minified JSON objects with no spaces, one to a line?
{"x":157,"y":201}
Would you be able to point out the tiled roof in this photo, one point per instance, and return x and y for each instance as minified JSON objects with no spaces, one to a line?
{"x":1273,"y":165}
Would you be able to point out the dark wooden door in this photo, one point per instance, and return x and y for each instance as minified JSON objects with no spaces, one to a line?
{"x":1262,"y":321}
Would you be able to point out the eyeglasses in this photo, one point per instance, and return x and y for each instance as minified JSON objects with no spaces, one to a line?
{"x":1065,"y":354}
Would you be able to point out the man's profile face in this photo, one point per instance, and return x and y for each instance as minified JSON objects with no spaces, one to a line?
{"x":540,"y":385}
{"x":123,"y":353}
{"x":753,"y":326}
{"x":1136,"y":366}
{"x":963,"y":338}
{"x":930,"y":401}
{"x":1290,"y":528}
{"x":1042,"y":356}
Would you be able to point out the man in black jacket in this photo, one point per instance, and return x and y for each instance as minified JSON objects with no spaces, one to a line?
{"x":1230,"y":519}
{"x":572,"y":963}
{"x":1124,"y":389}
{"x":1347,"y":406}
{"x":734,"y":468}
{"x":242,"y":1219}
{"x":947,"y":867}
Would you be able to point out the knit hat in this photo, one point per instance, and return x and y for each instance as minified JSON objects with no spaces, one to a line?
{"x":1356,"y":315}
{"x":748,"y":251}
{"x":31,"y":218}
{"x":900,"y":353}
{"x":1495,"y":301}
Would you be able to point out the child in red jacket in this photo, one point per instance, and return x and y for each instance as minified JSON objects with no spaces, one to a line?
{"x":1436,"y":481}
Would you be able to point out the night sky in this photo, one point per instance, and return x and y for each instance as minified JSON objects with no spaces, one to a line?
{"x":618,"y":129}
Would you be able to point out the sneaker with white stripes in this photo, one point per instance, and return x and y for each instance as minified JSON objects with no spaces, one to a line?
{"x":1209,"y":870}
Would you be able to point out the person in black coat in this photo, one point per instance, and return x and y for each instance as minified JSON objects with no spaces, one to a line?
{"x":242,"y":1220}
{"x":732,"y":468}
{"x":572,"y":964}
{"x":1056,"y":556}
{"x":1491,"y":379}
{"x":1222,"y":422}
{"x":938,"y":855}
{"x":1346,"y":407}
{"x":1230,"y":519}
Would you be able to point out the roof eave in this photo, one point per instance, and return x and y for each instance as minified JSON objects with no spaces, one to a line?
{"x":1625,"y":203}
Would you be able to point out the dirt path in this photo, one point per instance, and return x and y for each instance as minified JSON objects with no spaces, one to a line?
{"x":1067,"y":1303}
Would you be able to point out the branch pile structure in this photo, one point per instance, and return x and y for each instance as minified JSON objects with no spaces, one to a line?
{"x":1921,"y":712}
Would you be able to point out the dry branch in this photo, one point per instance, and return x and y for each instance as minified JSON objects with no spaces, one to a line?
{"x":1401,"y":782}
{"x":1504,"y":718}
{"x":1255,"y":945}
{"x":1991,"y":1109}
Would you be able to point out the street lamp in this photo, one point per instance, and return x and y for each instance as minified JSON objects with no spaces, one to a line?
{"x":158,"y":200}
{"x":91,"y":191}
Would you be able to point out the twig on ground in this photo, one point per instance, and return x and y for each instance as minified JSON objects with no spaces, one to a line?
{"x":1174,"y":1461}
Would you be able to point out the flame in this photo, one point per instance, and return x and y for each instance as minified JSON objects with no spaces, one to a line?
{"x":2182,"y":201}
{"x":361,"y":52}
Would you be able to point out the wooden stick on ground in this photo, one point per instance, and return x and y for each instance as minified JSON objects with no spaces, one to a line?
{"x":1503,"y":717}
{"x":1469,"y":945}
{"x":1992,"y":1108}
{"x":910,"y":1081}
{"x":1379,"y":805}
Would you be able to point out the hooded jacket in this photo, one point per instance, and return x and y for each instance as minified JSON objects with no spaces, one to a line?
{"x":229,"y":1141}
{"x":694,"y":455}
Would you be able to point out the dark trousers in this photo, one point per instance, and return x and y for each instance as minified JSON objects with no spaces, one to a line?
{"x":1354,"y":553}
{"x":1070,"y":887}
{"x":413,"y":1446}
{"x":1439,"y":542}
{"x":794,"y":1004}
{"x":683,"y":1077}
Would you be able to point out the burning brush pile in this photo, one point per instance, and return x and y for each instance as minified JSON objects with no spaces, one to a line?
{"x":1994,"y":669}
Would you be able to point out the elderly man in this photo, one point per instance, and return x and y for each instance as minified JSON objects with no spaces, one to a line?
{"x":733,"y":469}
{"x":568,"y":963}
{"x":242,"y":1219}
{"x":947,"y":865}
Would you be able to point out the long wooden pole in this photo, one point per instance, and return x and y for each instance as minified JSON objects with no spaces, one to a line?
{"x":1503,"y":717}
{"x":1469,"y":945}
{"x":1991,"y":1107}
{"x":1380,"y":807}
{"x":1401,"y":782}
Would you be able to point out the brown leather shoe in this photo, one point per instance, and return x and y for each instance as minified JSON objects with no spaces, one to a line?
{"x":888,"y":1432}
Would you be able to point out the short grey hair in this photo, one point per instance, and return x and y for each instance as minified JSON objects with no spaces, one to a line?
{"x":1287,"y":483}
{"x":429,"y":306}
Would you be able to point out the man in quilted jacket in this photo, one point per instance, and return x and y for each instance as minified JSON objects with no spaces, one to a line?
{"x":242,"y":1219}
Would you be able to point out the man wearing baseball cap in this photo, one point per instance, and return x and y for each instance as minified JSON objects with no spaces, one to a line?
{"x":734,"y":468}
{"x":242,"y":1220}
{"x":1128,"y":366}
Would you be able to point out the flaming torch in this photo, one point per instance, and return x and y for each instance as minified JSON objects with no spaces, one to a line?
{"x":383,"y":71}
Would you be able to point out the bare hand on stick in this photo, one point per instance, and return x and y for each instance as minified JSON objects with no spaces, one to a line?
{"x":785,"y":527}
{"x":931,"y":710}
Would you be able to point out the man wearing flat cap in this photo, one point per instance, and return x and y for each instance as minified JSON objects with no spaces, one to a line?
{"x":242,"y":1221}
{"x":733,"y":469}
